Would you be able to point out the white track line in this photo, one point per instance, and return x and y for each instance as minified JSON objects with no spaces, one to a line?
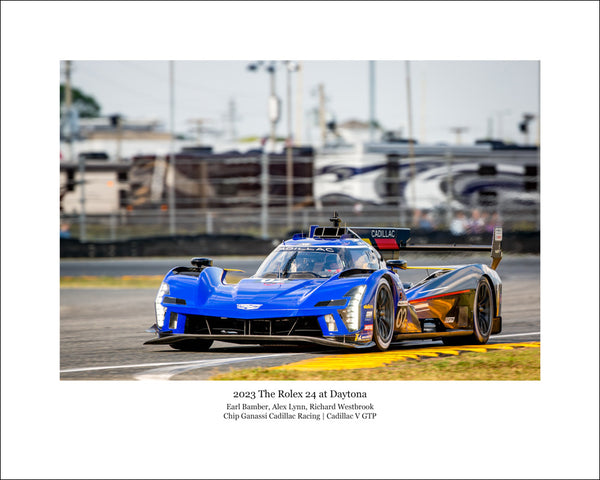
{"x":515,"y":335}
{"x":200,"y":363}
{"x":165,"y":373}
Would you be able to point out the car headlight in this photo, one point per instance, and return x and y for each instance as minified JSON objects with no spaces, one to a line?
{"x":330,"y":321}
{"x":351,"y":314}
{"x":160,"y":310}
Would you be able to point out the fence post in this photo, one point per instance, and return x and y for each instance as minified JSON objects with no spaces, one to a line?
{"x":209,"y":223}
{"x":113,"y":227}
{"x":449,"y":189}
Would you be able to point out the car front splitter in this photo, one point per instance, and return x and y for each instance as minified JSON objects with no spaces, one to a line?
{"x":260,"y":339}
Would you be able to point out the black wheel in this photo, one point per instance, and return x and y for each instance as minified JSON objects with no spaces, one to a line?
{"x":383,"y":321}
{"x":192,"y":345}
{"x":483,"y":314}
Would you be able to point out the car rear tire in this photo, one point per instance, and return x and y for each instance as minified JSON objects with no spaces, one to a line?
{"x":383,"y":318}
{"x":483,"y":312}
{"x":483,"y":315}
{"x":192,"y":345}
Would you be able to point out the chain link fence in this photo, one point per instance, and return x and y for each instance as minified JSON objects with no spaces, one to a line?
{"x":126,"y":225}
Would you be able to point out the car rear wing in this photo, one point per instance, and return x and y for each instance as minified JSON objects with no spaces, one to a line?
{"x":396,"y":240}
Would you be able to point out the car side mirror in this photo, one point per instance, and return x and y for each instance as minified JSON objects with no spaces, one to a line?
{"x":202,"y":262}
{"x":401,"y":264}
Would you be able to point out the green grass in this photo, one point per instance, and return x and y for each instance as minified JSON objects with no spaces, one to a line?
{"x":517,"y":364}
{"x":127,"y":281}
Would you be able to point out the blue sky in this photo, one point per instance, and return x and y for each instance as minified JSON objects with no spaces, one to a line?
{"x":481,"y":96}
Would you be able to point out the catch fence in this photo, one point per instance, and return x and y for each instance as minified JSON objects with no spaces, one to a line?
{"x":125,"y":225}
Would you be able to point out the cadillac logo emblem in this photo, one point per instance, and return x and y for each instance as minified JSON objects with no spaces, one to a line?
{"x":249,"y":306}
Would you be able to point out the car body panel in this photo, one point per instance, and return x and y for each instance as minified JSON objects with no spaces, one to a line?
{"x":284,"y":303}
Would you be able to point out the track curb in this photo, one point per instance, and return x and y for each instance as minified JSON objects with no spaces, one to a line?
{"x":382,"y":359}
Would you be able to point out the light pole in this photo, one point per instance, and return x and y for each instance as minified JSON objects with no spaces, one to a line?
{"x":372,"y":100}
{"x":299,"y":88}
{"x":68,"y":104}
{"x":274,"y":104}
{"x":273,"y":108}
{"x":411,"y":148}
{"x":291,"y":67}
{"x":80,"y":159}
{"x":172,"y":202}
{"x":321,"y":114}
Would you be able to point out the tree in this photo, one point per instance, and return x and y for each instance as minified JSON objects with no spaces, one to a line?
{"x":86,"y":105}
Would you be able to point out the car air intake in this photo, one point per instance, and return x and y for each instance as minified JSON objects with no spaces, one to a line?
{"x":207,"y":325}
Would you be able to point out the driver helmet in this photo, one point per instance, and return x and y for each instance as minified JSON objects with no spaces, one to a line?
{"x":306,"y":263}
{"x":332,"y":263}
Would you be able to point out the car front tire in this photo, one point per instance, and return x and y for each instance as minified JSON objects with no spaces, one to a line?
{"x":383,"y":318}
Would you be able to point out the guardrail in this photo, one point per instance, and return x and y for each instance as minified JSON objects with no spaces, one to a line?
{"x":237,"y":231}
{"x":125,"y":225}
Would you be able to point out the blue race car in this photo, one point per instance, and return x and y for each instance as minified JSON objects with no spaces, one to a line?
{"x":338,"y":286}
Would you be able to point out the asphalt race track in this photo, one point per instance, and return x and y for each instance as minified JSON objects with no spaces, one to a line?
{"x":102,"y":331}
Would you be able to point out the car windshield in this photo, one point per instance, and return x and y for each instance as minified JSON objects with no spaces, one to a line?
{"x":315,"y":262}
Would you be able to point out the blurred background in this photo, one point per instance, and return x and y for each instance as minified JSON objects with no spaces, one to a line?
{"x":157,"y":150}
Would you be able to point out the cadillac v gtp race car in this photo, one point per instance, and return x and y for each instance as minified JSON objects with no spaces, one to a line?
{"x":338,"y":286}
